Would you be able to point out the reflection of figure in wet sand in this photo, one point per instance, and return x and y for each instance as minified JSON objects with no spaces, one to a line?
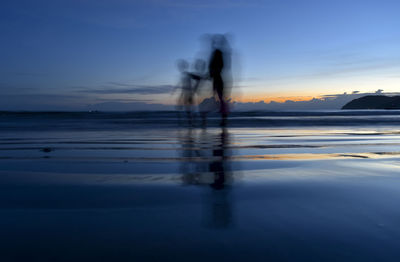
{"x":206,"y":162}
{"x":221,"y":212}
{"x":217,"y":166}
{"x":188,"y":153}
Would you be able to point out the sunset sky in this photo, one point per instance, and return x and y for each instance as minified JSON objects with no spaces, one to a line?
{"x":74,"y":53}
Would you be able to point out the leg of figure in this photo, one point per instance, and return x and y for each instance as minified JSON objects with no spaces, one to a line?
{"x":221,"y":97}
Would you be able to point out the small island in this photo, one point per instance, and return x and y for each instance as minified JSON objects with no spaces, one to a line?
{"x":374,"y":102}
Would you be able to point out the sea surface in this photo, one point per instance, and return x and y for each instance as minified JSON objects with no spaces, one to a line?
{"x":151,"y":186}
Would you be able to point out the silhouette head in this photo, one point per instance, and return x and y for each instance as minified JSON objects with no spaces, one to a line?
{"x":218,"y":41}
{"x":182,"y":65}
{"x":199,"y":65}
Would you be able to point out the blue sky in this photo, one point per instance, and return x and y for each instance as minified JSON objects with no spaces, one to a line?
{"x":74,"y":53}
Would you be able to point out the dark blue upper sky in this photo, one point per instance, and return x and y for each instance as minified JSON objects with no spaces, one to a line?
{"x":73,"y":53}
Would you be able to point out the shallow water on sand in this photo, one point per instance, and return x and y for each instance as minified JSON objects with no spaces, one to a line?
{"x":193,"y":194}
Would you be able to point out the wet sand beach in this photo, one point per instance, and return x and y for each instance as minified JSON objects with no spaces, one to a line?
{"x":235,"y":193}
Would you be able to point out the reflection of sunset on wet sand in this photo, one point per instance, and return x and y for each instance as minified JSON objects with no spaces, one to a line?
{"x":159,"y":184}
{"x":320,"y":156}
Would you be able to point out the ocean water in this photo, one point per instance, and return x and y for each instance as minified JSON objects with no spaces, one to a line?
{"x":147,"y":186}
{"x":53,"y":121}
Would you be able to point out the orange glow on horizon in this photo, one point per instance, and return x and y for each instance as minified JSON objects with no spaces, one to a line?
{"x":279,"y":99}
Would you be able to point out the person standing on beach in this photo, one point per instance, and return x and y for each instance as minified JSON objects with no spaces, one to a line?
{"x":198,"y":75}
{"x":186,"y":97}
{"x":216,"y":69}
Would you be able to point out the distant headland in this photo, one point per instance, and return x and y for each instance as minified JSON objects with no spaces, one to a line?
{"x":374,"y":102}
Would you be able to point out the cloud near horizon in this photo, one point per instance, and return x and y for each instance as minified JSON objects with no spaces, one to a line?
{"x":125,"y":96}
{"x":124,"y":88}
{"x":325,"y":102}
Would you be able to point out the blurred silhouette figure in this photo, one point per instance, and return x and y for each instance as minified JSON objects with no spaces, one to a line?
{"x":186,"y":97}
{"x":190,"y":83}
{"x":218,"y":66}
{"x":198,"y":75}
